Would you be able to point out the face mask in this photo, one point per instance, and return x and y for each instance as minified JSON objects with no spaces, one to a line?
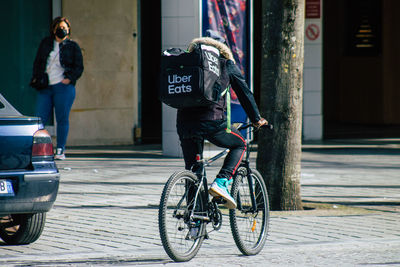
{"x":61,"y":33}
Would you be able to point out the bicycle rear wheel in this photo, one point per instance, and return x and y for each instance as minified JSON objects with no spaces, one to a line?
{"x":181,"y":237}
{"x":249,"y":225}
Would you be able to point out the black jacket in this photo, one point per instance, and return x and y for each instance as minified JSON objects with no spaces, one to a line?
{"x":217,"y":111}
{"x":70,"y":58}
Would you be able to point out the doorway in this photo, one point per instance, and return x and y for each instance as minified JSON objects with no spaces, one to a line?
{"x":360,"y":92}
{"x":150,"y":51}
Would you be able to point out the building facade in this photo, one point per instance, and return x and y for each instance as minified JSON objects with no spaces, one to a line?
{"x":350,"y":65}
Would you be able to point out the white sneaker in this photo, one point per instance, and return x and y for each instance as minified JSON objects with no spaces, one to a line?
{"x":59,"y":154}
{"x":219,"y":188}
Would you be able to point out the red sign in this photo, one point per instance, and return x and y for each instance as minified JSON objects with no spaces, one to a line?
{"x":312,"y":32}
{"x":313,"y":9}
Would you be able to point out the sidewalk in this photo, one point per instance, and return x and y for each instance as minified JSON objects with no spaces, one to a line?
{"x":356,"y":172}
{"x":106,"y":211}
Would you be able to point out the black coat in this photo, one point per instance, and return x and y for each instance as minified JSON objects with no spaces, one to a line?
{"x":70,"y":58}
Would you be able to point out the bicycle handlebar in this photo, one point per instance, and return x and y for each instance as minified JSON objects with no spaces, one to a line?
{"x":247,"y":125}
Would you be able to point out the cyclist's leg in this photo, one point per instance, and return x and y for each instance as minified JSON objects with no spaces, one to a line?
{"x":191,"y":146}
{"x":237,"y":146}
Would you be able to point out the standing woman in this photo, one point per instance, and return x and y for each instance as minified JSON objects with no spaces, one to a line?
{"x":57,"y":67}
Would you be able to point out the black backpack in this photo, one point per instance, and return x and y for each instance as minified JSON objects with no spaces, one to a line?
{"x":191,"y":79}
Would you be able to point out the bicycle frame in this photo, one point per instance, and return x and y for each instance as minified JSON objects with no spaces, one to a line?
{"x":246,"y":163}
{"x":201,"y":174}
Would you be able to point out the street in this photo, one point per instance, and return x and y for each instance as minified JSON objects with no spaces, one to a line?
{"x":107,"y":207}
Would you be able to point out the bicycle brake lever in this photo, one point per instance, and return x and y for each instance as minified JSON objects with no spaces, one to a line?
{"x":270,"y":126}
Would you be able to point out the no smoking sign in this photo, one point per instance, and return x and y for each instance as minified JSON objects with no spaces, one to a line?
{"x":312,"y":32}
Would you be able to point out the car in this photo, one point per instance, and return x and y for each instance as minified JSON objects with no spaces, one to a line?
{"x":29,"y":178}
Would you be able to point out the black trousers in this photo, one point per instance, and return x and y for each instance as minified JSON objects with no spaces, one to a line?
{"x":193,"y":134}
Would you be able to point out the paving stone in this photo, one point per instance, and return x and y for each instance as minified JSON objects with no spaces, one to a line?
{"x":107,"y":207}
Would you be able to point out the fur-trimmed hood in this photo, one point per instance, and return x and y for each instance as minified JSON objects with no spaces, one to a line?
{"x":223,"y":49}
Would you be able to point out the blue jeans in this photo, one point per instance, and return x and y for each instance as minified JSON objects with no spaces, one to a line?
{"x":60,"y":97}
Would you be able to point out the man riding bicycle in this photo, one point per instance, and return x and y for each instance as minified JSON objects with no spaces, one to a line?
{"x":199,"y":123}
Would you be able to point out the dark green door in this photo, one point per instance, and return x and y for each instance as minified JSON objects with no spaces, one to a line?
{"x":23,"y":23}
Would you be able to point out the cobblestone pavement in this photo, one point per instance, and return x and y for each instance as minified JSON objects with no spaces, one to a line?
{"x":106,"y":212}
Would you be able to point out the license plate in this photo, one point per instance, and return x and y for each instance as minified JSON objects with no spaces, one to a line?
{"x":6,"y":188}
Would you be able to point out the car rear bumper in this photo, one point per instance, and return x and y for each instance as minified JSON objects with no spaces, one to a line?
{"x":33,"y":192}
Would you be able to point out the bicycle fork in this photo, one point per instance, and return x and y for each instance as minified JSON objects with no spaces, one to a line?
{"x":251,"y":189}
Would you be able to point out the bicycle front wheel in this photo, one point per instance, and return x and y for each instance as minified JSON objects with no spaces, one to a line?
{"x":249,"y":223}
{"x":181,"y":237}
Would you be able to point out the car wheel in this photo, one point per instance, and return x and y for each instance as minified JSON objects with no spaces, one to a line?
{"x":19,"y":229}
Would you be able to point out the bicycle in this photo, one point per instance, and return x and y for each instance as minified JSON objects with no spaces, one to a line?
{"x":185,"y":209}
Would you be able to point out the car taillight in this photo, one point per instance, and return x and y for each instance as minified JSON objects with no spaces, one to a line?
{"x":42,"y":145}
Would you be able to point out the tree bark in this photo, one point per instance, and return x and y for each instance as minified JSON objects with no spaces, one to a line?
{"x":279,"y":151}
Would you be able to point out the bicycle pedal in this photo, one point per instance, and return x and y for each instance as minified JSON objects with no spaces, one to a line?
{"x":219,"y":200}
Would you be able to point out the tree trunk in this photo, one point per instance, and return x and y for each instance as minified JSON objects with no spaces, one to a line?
{"x":279,"y":151}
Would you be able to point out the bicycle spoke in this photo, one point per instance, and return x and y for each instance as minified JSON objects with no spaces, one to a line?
{"x":176,"y":204}
{"x":249,"y":223}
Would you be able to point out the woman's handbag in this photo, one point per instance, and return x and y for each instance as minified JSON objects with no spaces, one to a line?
{"x":40,"y":81}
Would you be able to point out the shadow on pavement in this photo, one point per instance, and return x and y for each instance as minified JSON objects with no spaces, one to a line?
{"x":354,"y":147}
{"x":122,"y":152}
{"x":351,"y":150}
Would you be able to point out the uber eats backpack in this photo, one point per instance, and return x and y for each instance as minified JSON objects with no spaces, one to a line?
{"x":191,"y":79}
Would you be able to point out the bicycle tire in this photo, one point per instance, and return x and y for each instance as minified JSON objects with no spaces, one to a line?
{"x":249,"y":228}
{"x":173,"y":221}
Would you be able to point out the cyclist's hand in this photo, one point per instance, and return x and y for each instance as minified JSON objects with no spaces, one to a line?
{"x":260,"y":123}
